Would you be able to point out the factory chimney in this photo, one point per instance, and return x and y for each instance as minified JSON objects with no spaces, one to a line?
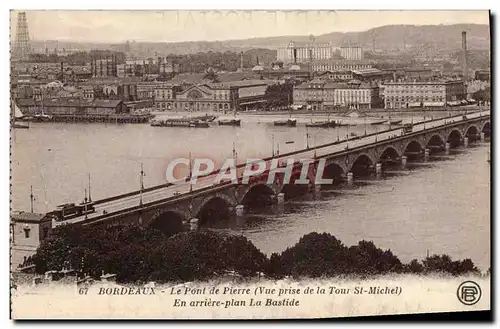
{"x":464,"y":57}
{"x":241,"y":61}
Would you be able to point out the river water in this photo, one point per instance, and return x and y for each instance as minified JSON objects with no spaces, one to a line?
{"x":442,"y":206}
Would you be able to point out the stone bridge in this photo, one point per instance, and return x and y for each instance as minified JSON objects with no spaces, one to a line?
{"x":345,"y":160}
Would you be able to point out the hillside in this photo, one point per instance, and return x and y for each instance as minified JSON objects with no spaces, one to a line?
{"x":390,"y":37}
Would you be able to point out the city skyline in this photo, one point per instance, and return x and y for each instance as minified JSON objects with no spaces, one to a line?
{"x":211,"y":25}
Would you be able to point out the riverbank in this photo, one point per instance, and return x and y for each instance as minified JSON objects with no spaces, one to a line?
{"x":443,"y":111}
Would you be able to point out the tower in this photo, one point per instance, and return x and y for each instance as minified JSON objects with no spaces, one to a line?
{"x":464,"y":57}
{"x":22,"y":48}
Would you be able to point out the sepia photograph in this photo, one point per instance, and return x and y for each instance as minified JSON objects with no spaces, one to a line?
{"x":249,"y":164}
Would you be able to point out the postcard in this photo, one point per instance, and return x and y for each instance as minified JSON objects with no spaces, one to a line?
{"x":249,"y":164}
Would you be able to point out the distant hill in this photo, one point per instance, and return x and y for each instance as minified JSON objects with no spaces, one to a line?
{"x":390,"y":37}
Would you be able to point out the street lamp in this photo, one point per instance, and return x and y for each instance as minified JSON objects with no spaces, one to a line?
{"x":273,"y":144}
{"x":142,"y":184}
{"x":190,"y":174}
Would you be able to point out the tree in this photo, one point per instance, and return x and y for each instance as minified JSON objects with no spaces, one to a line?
{"x":211,"y":75}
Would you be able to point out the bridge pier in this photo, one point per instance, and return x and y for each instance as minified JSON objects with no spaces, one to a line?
{"x":426,"y":154}
{"x":378,"y":169}
{"x":404,"y":160}
{"x":466,"y":142}
{"x":483,"y":136}
{"x":193,"y":224}
{"x":350,"y":178}
{"x":447,"y":147}
{"x":280,"y":198}
{"x":240,"y":210}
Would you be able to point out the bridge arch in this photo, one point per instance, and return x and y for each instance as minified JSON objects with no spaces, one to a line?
{"x":434,"y":142}
{"x":454,"y":137}
{"x":413,"y":147}
{"x":215,"y":208}
{"x":472,"y":132}
{"x":335,"y":171}
{"x":362,"y":165}
{"x":486,"y":128}
{"x":389,"y":155}
{"x":292,"y":189}
{"x":259,"y":194}
{"x":169,"y":222}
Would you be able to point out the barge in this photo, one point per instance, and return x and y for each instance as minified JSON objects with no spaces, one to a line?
{"x":287,"y":123}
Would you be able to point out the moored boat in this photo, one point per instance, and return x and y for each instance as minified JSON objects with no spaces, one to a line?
{"x":184,"y":122}
{"x":378,"y":122}
{"x":288,"y":123}
{"x":394,"y":122}
{"x":17,"y":116}
{"x":206,"y":117}
{"x":322,"y":124}
{"x":229,"y":122}
{"x":21,"y":125}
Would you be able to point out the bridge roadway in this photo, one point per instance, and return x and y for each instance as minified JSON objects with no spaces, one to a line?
{"x":166,"y":191}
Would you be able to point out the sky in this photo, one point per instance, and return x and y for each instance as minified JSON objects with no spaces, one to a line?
{"x":177,"y":26}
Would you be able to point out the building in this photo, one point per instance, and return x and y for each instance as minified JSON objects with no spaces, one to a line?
{"x":323,"y":95}
{"x":28,"y":230}
{"x":404,"y":94}
{"x":372,"y":74}
{"x":227,"y":96}
{"x":340,"y":65}
{"x":295,"y":52}
{"x":64,"y":107}
{"x":345,"y":75}
{"x":419,"y":73}
{"x":483,"y":75}
{"x":102,"y":68}
{"x":352,"y":53}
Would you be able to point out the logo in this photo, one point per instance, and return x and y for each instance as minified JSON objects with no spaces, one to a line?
{"x":469,"y":293}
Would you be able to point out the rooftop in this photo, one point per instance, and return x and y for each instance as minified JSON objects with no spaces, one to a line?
{"x":23,"y":216}
{"x":76,"y":102}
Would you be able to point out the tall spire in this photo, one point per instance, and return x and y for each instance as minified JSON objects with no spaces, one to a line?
{"x":22,"y":42}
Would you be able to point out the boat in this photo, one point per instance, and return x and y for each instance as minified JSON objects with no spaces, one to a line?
{"x":198,"y":124}
{"x":17,"y":116}
{"x":21,"y":125}
{"x":288,"y":123}
{"x":378,"y":122}
{"x":229,"y":122}
{"x":182,"y":122}
{"x":319,"y":124}
{"x":207,"y":117}
{"x":394,"y":122}
{"x":41,"y":117}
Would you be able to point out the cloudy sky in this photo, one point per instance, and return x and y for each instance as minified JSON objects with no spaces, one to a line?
{"x":174,"y":26}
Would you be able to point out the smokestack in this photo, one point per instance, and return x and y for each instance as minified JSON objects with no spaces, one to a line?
{"x":464,"y":56}
{"x":294,"y":55}
{"x":257,"y":59}
{"x":241,"y":61}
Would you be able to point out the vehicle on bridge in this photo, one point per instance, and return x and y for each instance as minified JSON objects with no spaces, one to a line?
{"x":408,"y":128}
{"x":70,"y":210}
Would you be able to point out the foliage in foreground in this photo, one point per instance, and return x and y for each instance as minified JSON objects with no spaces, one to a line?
{"x":144,"y":254}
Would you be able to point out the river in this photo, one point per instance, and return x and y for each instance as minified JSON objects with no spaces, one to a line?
{"x":442,"y":206}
